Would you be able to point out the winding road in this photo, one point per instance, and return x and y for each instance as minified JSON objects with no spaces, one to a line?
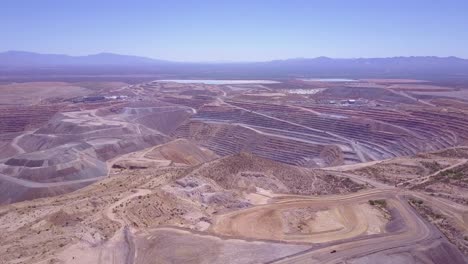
{"x":414,"y":230}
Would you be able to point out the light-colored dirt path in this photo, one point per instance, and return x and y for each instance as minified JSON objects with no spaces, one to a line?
{"x":415,"y":230}
{"x":119,"y":249}
{"x":365,"y":180}
{"x":14,"y":142}
{"x":109,"y":212}
{"x":424,"y":179}
{"x":32,"y":184}
{"x":404,"y":94}
{"x":349,"y":220}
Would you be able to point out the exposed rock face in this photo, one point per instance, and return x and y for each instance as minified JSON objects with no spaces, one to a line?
{"x":73,"y":148}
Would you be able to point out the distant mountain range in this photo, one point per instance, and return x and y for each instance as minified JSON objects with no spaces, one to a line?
{"x":398,"y":67}
{"x":23,"y":58}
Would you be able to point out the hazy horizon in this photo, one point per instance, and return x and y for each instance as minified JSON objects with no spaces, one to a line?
{"x":226,"y":61}
{"x":237,"y":31}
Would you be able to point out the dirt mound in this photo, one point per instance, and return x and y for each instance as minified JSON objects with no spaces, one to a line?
{"x":207,"y":193}
{"x":302,"y":221}
{"x":182,"y":151}
{"x":63,"y":163}
{"x":49,"y":172}
{"x":245,"y":171}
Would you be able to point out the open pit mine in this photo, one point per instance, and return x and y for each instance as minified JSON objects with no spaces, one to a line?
{"x":245,"y":171}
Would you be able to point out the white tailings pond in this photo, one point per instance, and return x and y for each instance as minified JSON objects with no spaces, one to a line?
{"x":328,"y":80}
{"x":304,"y":91}
{"x":221,"y":81}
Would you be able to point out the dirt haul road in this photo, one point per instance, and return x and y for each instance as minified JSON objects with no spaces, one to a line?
{"x":411,"y":230}
{"x":313,"y":220}
{"x":350,"y":241}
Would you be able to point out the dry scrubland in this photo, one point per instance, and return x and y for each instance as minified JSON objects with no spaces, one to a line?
{"x":136,"y":199}
{"x":370,"y":171}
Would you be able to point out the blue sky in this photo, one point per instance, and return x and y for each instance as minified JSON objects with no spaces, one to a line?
{"x":239,"y":30}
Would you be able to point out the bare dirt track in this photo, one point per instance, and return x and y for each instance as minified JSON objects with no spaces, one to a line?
{"x":168,"y":245}
{"x":411,"y":230}
{"x":120,"y":248}
{"x":305,"y":220}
